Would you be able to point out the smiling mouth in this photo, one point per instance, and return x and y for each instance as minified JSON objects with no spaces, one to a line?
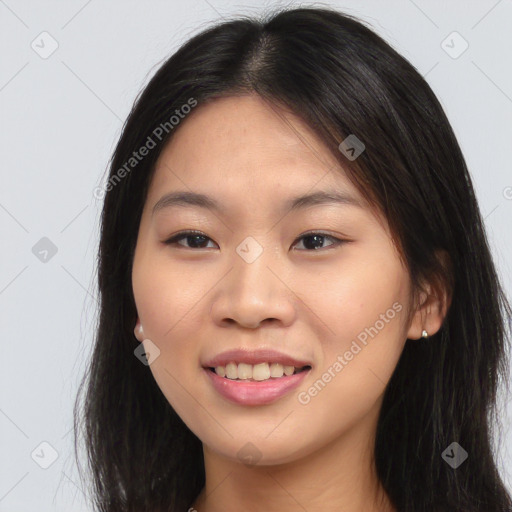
{"x":277,"y":374}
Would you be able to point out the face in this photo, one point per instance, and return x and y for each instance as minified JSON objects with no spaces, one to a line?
{"x":320,"y":282}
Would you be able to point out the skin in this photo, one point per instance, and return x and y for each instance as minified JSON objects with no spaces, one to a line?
{"x":195,"y":301}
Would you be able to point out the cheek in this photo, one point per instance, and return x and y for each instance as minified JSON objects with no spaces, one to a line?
{"x":363,"y":307}
{"x":168,"y":299}
{"x":168,"y":304}
{"x":364,"y":313}
{"x":354,"y":298}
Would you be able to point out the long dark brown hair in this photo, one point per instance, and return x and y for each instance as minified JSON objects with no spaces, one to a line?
{"x":341,"y":78}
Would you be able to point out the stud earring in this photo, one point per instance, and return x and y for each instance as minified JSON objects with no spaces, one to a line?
{"x":424,"y":334}
{"x":138,"y":330}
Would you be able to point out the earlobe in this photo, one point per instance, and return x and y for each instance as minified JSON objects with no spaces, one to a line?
{"x":429,"y":316}
{"x":138,"y":331}
{"x":434,"y":301}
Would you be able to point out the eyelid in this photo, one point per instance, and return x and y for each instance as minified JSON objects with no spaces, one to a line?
{"x":183,"y":234}
{"x":337,"y":240}
{"x":191,"y":232}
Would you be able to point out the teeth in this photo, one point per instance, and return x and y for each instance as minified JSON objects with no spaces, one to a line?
{"x":245,"y":371}
{"x":276,"y":370}
{"x":220,"y":371}
{"x":231,"y":371}
{"x":258,"y":372}
{"x":288,"y":370}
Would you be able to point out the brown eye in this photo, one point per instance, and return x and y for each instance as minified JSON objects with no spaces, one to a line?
{"x":313,"y":241}
{"x":198,"y":239}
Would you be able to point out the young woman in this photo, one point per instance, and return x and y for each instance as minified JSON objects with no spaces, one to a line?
{"x":299,"y":308}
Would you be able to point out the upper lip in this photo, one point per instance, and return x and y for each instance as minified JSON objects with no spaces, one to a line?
{"x":255,"y":357}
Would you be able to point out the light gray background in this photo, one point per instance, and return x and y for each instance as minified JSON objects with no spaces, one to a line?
{"x":60,"y":117}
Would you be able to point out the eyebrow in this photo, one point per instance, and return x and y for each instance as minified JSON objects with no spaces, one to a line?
{"x":193,"y":199}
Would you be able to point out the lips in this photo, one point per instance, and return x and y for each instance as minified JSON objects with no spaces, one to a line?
{"x":246,"y":393}
{"x":255,"y":357}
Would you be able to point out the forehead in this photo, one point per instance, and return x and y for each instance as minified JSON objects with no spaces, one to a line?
{"x":241,"y":144}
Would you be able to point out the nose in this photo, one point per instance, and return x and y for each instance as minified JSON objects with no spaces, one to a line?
{"x":253,"y":293}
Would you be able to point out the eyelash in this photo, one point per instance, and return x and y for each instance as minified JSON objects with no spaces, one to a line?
{"x":185,"y":234}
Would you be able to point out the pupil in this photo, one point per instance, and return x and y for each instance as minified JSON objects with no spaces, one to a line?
{"x":193,"y":237}
{"x":317,"y":237}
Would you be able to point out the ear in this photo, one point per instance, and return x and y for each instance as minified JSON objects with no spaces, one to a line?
{"x":138,"y":331}
{"x":432,"y":306}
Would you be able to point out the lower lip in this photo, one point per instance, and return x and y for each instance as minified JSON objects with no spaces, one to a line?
{"x":253,"y":392}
